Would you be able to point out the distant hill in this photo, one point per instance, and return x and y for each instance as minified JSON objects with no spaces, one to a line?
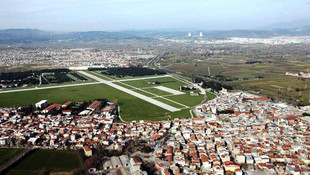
{"x":26,"y":37}
{"x":10,"y":36}
{"x":240,"y":33}
{"x":303,"y":30}
{"x":287,"y":25}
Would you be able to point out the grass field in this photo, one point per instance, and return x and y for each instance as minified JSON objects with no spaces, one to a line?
{"x":8,"y":153}
{"x":132,"y":108}
{"x":186,"y":112}
{"x":187,"y":99}
{"x":167,"y":82}
{"x":157,"y":91}
{"x":172,"y":83}
{"x":45,"y":161}
{"x":184,"y":99}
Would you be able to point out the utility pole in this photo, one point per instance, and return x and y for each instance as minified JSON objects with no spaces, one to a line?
{"x":40,"y":80}
{"x":309,"y":95}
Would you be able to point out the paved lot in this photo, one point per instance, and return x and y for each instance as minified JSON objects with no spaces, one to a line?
{"x":172,"y":91}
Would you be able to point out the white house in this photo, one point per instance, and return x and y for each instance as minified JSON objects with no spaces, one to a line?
{"x":41,"y":104}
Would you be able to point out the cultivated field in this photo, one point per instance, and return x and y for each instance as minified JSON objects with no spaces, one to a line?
{"x":8,"y":153}
{"x":47,"y":161}
{"x":202,"y":68}
{"x":268,"y":77}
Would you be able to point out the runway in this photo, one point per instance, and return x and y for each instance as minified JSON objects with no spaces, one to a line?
{"x":109,"y":83}
{"x":131,"y":92}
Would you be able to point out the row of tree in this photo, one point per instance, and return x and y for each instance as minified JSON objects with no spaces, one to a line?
{"x":61,"y":77}
{"x":96,"y":68}
{"x":78,"y":76}
{"x":132,"y":71}
{"x":22,"y":75}
{"x":216,"y":86}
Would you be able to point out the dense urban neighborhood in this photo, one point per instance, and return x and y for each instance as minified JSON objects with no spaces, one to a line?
{"x":140,"y":112}
{"x":154,"y":87}
{"x":235,"y":133}
{"x":73,"y":58}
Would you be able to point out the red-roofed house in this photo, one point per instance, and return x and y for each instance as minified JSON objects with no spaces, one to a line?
{"x":51,"y":108}
{"x":66,"y":112}
{"x":87,"y":151}
{"x":261,"y":99}
{"x":68,"y":103}
{"x":231,"y":166}
{"x":94,"y":105}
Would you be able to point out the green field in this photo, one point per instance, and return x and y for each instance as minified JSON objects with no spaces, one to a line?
{"x":172,"y":83}
{"x":8,"y":153}
{"x":132,"y":108}
{"x":44,"y":161}
{"x":185,"y":99}
{"x":186,"y":112}
{"x":157,"y":91}
{"x":167,"y":82}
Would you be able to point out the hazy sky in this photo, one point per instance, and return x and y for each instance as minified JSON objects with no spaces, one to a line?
{"x":83,"y":15}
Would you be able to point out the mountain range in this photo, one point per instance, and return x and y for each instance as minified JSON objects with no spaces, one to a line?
{"x":29,"y":36}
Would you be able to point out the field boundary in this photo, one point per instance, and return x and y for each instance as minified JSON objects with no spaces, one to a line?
{"x":14,"y":160}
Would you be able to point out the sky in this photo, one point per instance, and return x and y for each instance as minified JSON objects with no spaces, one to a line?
{"x":117,"y":15}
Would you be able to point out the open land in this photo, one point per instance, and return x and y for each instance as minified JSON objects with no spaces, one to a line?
{"x":266,"y":77}
{"x":132,"y":107}
{"x":42,"y":161}
{"x":8,"y":153}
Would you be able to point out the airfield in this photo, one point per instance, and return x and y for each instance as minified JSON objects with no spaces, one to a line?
{"x":138,"y":99}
